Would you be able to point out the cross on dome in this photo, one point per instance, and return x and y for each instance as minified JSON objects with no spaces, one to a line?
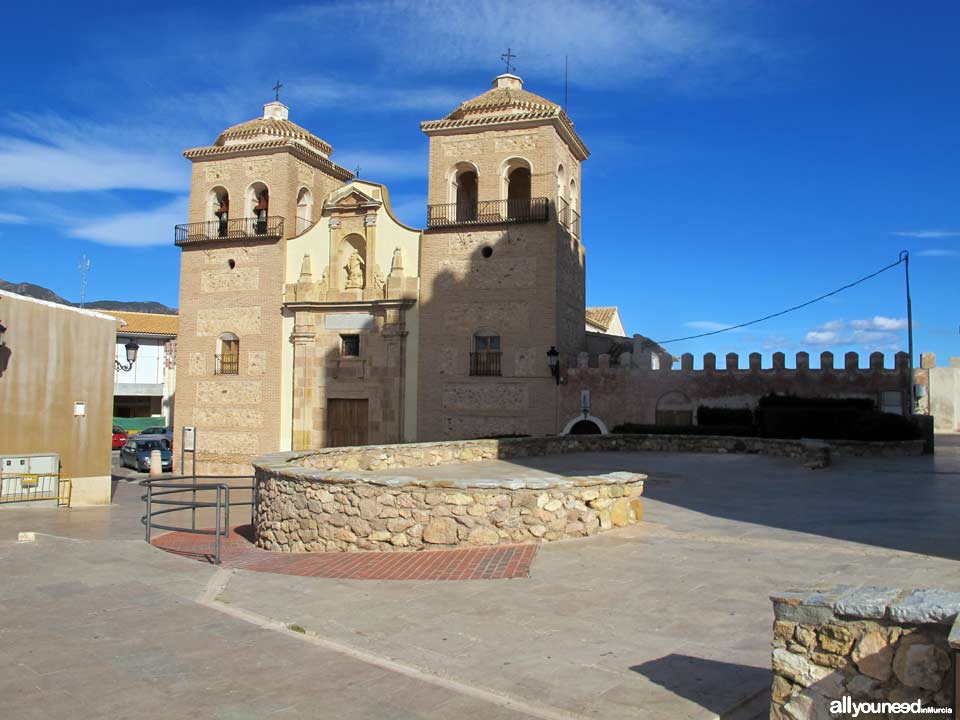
{"x":507,"y":57}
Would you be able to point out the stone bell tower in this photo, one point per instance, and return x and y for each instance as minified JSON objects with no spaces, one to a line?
{"x":259,"y":184}
{"x":502,"y":265}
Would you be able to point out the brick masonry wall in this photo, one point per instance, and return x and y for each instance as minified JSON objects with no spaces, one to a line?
{"x":628,"y":390}
{"x":867,"y":644}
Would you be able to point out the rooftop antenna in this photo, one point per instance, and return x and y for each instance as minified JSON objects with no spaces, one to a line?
{"x":84,"y":268}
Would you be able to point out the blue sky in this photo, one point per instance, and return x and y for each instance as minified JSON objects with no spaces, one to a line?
{"x":746,"y":156}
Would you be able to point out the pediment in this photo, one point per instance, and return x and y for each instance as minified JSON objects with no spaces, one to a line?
{"x":351,"y":196}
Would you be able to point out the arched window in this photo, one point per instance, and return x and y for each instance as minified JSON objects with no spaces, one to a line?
{"x":561,"y":195}
{"x":515,"y":175}
{"x":574,"y":199}
{"x":218,"y":211}
{"x":485,"y":358}
{"x":466,"y":198}
{"x":228,"y":355}
{"x":258,"y":206}
{"x":304,"y":210}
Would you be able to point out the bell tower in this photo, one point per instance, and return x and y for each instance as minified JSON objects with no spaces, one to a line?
{"x":502,"y":264}
{"x":252,"y":190}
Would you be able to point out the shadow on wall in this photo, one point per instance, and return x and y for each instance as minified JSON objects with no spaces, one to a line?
{"x":5,"y":354}
{"x":719,"y":687}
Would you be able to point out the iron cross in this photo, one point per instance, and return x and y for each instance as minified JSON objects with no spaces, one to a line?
{"x":276,"y":89}
{"x":507,"y":57}
{"x":356,"y":173}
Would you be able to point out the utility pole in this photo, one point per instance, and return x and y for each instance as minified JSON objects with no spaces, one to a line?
{"x":905,"y":257}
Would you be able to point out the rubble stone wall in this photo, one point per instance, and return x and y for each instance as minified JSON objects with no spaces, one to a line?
{"x":870,"y":645}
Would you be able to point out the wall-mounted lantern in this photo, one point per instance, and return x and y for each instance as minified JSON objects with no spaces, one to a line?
{"x":553,"y":360}
{"x":131,"y":348}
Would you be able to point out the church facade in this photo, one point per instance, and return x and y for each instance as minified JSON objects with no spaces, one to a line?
{"x":311,"y":316}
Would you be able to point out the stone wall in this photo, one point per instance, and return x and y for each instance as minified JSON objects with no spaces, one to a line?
{"x":866,"y":644}
{"x":940,"y":392}
{"x":644,"y":388}
{"x":315,"y":511}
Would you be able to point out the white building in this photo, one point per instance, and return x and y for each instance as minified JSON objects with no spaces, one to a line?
{"x":139,"y":391}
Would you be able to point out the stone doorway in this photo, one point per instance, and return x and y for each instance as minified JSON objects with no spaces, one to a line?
{"x":346,"y":422}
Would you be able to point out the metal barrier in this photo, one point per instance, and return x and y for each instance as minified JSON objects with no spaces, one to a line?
{"x":28,"y":487}
{"x":160,"y":492}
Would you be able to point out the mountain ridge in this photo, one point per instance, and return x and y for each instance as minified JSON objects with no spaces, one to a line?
{"x":39,"y":292}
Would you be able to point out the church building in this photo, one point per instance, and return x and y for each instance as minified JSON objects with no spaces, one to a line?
{"x":310,"y":316}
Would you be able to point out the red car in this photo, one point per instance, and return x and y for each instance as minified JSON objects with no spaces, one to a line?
{"x":119,"y":437}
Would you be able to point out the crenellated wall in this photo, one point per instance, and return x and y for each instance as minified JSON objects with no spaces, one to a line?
{"x":640,"y":386}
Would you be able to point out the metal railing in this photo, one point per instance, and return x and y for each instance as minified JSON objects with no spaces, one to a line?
{"x":227,"y":364}
{"x":568,"y":217}
{"x":485,"y":363}
{"x":237,"y":229}
{"x":161,"y":492}
{"x":28,"y":487}
{"x":488,"y":212}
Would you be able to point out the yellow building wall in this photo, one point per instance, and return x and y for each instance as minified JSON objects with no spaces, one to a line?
{"x":54,"y":356}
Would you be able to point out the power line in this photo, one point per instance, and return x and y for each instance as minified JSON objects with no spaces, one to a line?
{"x":903,"y":258}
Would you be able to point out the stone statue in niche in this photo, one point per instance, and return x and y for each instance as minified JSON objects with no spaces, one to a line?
{"x":354,"y":268}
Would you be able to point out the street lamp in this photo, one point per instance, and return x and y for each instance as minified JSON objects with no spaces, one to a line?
{"x":553,"y":360}
{"x":131,"y":348}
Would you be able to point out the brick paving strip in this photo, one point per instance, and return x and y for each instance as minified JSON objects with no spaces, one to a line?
{"x":498,"y":562}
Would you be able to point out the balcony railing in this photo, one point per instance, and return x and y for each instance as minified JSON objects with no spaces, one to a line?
{"x":485,"y":363}
{"x":237,"y":229}
{"x":227,"y":364}
{"x":568,"y":217}
{"x":489,"y":212}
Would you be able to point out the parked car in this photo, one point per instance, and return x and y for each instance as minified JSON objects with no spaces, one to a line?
{"x":158,"y":432}
{"x":120,"y":437}
{"x":136,"y":454}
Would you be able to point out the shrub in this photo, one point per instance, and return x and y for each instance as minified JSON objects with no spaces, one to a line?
{"x":707,"y":415}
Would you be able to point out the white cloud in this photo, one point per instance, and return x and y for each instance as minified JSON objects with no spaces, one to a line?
{"x":608,"y":42}
{"x":927,"y":233}
{"x":13,"y":219}
{"x":706,"y":325}
{"x":76,"y":166}
{"x":135,"y":229}
{"x":877,"y":333}
{"x":821,"y":337}
{"x":937,"y":252}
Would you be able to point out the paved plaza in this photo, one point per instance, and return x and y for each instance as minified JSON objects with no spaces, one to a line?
{"x":666,"y":619}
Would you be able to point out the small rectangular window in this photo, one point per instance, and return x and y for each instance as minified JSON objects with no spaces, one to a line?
{"x":350,"y":346}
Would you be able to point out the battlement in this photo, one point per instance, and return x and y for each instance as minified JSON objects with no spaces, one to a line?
{"x":664,"y":362}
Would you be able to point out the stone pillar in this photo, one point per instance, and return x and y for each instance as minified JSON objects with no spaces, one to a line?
{"x":333,"y":272}
{"x":395,"y":337}
{"x":304,"y":399}
{"x":370,"y":290}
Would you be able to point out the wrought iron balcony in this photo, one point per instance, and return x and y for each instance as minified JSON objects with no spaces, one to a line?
{"x":228,"y":364}
{"x":569,"y":218}
{"x":224,"y":230}
{"x":485,"y":363}
{"x":489,"y":212}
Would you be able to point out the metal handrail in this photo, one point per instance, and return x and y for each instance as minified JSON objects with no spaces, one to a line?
{"x":488,"y":212}
{"x":232,"y":229}
{"x":222,"y":503}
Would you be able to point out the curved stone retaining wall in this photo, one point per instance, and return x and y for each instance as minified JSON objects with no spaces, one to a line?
{"x":844,"y":645}
{"x":330,"y":511}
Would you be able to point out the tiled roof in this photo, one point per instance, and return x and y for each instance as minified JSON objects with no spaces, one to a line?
{"x":507,"y":106}
{"x":601,"y":317}
{"x":263,"y":128}
{"x":278,"y":143}
{"x":147,"y":323}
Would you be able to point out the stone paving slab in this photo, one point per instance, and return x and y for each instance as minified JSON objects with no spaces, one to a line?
{"x":237,"y":551}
